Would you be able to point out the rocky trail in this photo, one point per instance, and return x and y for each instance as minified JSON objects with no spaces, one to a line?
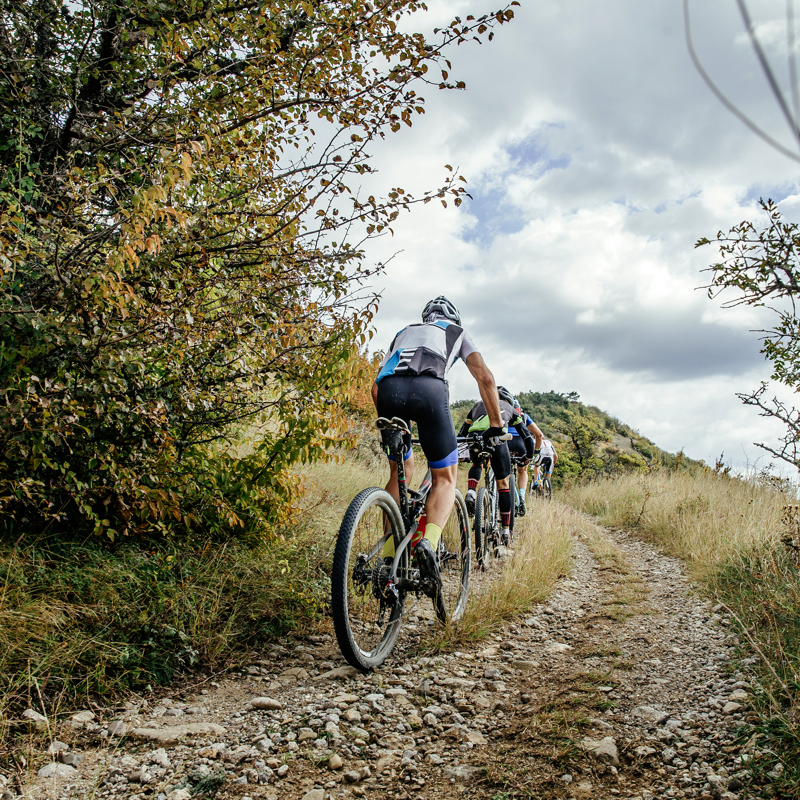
{"x":621,"y":686}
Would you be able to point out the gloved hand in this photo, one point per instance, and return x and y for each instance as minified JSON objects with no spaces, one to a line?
{"x":500,"y":433}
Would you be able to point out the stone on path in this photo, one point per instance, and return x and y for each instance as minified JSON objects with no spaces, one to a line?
{"x":55,"y":770}
{"x":335,"y":762}
{"x":118,"y":728}
{"x":463,"y":772}
{"x":266,"y":703}
{"x":339,"y":672}
{"x":604,"y":750}
{"x":175,"y":733}
{"x":315,"y":794}
{"x":650,"y":714}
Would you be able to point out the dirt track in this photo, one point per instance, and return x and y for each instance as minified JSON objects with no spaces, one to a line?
{"x":620,"y":686}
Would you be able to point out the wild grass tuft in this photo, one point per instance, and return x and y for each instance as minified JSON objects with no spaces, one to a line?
{"x":542,"y":553}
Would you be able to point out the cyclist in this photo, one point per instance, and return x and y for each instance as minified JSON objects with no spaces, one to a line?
{"x":546,"y":461}
{"x":476,"y":421}
{"x":412,"y":385}
{"x":516,"y":445}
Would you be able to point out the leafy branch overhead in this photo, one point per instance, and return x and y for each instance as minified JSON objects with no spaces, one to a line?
{"x":762,"y":267}
{"x":180,"y":244}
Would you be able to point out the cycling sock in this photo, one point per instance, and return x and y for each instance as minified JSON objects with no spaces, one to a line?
{"x":433,"y":533}
{"x":505,"y":507}
{"x":472,"y":484}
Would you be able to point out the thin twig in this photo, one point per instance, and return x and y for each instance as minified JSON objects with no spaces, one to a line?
{"x":721,"y":97}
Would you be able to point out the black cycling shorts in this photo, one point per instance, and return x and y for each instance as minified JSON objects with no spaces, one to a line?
{"x":547,"y":464}
{"x":517,"y":446}
{"x":425,"y":400}
{"x":501,"y":460}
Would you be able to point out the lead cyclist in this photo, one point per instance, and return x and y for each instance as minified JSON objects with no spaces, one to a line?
{"x":412,"y":385}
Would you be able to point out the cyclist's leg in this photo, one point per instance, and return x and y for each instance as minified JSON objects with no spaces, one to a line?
{"x":501,"y":464}
{"x":437,"y":437}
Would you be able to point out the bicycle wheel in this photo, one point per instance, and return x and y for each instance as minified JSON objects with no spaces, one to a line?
{"x":366,"y":618}
{"x":480,"y":525}
{"x":454,"y":564}
{"x":548,"y":489}
{"x":512,"y":485}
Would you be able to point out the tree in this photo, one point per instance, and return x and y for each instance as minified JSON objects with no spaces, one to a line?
{"x":763,"y":267}
{"x":180,"y":236}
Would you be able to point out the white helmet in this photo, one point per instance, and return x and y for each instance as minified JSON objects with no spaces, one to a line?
{"x":442,"y":306}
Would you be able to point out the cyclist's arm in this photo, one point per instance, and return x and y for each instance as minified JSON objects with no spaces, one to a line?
{"x":555,"y":455}
{"x":374,"y":393}
{"x":486,"y":386}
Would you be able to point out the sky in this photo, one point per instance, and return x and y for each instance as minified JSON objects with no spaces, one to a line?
{"x":596,"y":157}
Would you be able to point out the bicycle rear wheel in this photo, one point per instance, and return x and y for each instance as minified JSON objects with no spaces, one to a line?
{"x":454,"y":564}
{"x":366,"y":617}
{"x":548,"y":489}
{"x":481,"y":523}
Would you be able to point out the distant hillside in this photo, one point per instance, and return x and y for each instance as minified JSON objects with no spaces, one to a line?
{"x":588,"y":441}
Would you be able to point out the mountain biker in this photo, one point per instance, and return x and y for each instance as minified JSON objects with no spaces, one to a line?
{"x":412,"y":385}
{"x":546,"y":461}
{"x":501,"y":461}
{"x":516,"y":445}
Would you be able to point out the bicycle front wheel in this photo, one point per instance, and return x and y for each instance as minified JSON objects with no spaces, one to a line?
{"x":454,"y":564}
{"x":366,"y":617}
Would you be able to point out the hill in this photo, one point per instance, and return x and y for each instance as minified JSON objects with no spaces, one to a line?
{"x":589,"y":442}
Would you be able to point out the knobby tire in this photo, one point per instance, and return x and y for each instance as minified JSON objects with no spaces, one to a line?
{"x":365,"y":636}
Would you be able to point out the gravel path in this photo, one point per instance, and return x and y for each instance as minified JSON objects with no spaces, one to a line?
{"x":621,"y":685}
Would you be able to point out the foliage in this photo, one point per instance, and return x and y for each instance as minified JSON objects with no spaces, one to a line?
{"x":590,"y":443}
{"x":179,"y":245}
{"x":763,"y":267}
{"x":80,"y":619}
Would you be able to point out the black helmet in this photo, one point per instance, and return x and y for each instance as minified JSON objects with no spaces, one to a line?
{"x":441,"y":305}
{"x":507,"y":396}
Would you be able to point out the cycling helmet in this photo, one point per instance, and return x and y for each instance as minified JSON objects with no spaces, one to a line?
{"x":442,"y":306}
{"x":507,"y":396}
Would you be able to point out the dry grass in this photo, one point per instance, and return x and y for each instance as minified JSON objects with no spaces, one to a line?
{"x":542,"y":553}
{"x":706,"y":519}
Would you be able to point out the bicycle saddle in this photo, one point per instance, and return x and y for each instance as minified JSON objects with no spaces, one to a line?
{"x":394,"y":423}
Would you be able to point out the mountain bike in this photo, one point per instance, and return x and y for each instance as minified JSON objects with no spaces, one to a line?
{"x":368,"y":589}
{"x":544,"y":489}
{"x":486,"y":523}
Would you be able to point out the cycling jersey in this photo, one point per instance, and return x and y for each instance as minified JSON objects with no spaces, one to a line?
{"x":427,"y":348}
{"x":478,"y":420}
{"x":527,"y":421}
{"x":548,"y":450}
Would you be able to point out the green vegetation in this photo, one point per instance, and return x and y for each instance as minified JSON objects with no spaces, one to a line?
{"x":178,"y":191}
{"x":740,"y":539}
{"x":590,"y":442}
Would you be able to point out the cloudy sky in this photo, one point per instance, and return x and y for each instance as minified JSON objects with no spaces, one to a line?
{"x":596,"y":157}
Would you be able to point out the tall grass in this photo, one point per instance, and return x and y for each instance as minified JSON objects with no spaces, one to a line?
{"x":542,"y":553}
{"x":707,"y":519}
{"x":729,"y":532}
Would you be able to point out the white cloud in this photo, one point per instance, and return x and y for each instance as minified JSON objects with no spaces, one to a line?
{"x":596,"y":157}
